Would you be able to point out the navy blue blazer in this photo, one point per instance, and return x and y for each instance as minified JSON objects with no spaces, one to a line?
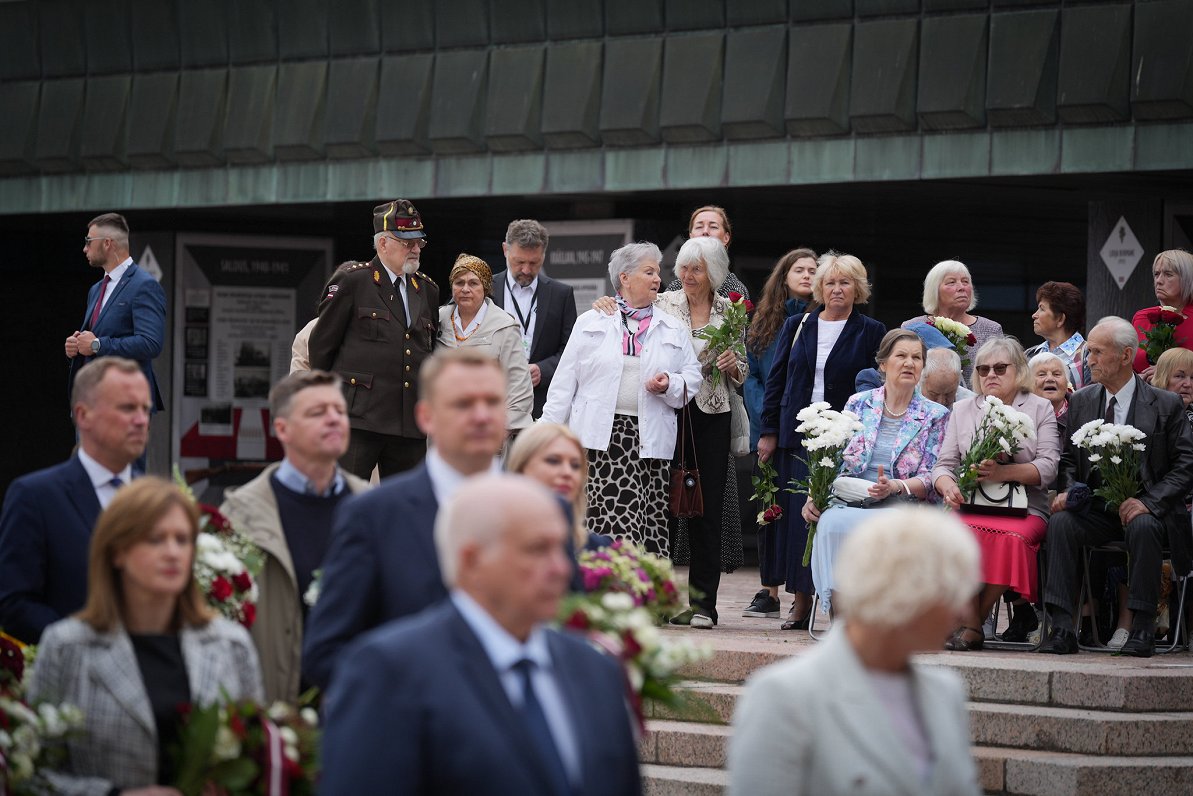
{"x":556,"y":307}
{"x":45,"y":535}
{"x":381,"y":565}
{"x":789,"y":385}
{"x":132,"y":324}
{"x":417,"y":708}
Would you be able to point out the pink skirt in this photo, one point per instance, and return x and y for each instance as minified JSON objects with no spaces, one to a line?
{"x":1009,"y":549}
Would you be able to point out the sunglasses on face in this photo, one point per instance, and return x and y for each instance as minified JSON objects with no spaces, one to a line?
{"x":999,"y":369}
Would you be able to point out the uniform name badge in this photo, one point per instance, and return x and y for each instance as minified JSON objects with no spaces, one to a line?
{"x":526,"y":346}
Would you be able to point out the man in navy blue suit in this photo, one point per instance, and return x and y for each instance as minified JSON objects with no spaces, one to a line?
{"x":477,"y":695}
{"x":126,"y":310}
{"x":46,"y":522}
{"x":381,"y":564}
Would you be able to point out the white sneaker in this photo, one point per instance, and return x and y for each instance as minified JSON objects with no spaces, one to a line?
{"x":703,"y":621}
{"x":1118,"y":639}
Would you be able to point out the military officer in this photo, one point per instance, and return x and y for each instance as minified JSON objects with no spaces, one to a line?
{"x":377,"y":323}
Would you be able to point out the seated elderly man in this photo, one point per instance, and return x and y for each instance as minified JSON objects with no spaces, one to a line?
{"x":1145,"y":522}
{"x":941,"y":379}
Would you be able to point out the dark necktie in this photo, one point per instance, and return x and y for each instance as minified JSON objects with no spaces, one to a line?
{"x":1110,"y":410}
{"x":540,"y":730}
{"x":116,"y":482}
{"x":99,"y":302}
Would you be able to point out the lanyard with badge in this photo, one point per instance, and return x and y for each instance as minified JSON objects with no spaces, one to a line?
{"x":528,"y":317}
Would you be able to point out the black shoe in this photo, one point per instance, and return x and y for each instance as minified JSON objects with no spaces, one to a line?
{"x":764,"y":606}
{"x":795,"y":624}
{"x":1023,"y":621}
{"x":1140,"y":644}
{"x":1060,"y":642}
{"x":958,"y":643}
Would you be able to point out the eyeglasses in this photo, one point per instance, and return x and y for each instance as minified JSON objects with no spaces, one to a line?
{"x":411,"y":243}
{"x":999,"y":369}
{"x":87,"y":241}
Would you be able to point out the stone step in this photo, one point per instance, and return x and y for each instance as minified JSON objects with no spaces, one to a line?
{"x":1094,"y":732}
{"x":1027,"y":772}
{"x":707,"y":702}
{"x":684,"y":743}
{"x":679,"y":781}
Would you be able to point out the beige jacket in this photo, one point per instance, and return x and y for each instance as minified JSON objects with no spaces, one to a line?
{"x":253,"y":510}
{"x":499,"y":337}
{"x":711,"y":400}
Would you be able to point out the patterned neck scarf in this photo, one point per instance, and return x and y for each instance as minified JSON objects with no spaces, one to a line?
{"x":631,"y":341}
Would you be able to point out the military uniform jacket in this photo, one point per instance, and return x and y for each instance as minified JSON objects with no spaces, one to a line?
{"x":363,"y":334}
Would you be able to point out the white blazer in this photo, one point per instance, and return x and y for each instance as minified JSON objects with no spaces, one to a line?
{"x":583,"y":394}
{"x":814,"y":724}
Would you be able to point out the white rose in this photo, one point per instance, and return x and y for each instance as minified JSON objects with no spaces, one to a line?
{"x":227,"y":745}
{"x":309,"y":716}
{"x":1095,"y":458}
{"x":1116,"y":459}
{"x":616,"y":601}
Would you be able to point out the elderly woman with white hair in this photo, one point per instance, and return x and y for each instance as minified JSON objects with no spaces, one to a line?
{"x":618,"y":384}
{"x":1050,"y":381}
{"x":1172,"y":279}
{"x":949,"y":293}
{"x":1009,"y":544}
{"x":856,"y":714}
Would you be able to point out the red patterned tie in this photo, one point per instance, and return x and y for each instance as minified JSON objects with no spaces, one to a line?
{"x":99,"y":302}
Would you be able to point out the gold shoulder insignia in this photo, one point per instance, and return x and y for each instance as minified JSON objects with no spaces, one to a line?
{"x":423,"y":276}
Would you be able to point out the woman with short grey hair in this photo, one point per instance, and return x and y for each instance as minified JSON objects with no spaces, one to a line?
{"x":618,"y":384}
{"x":949,"y":293}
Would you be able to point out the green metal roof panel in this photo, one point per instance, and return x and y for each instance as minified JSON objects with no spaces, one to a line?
{"x":1024,"y":152}
{"x":461,"y":23}
{"x":881,"y":8}
{"x":955,"y":5}
{"x":577,"y":171}
{"x":301,"y":99}
{"x":248,"y":127}
{"x":952,"y":88}
{"x":567,"y":19}
{"x":203,"y":33}
{"x":818,"y":67}
{"x":1021,"y":79}
{"x":822,"y":160}
{"x":19,"y":57}
{"x":1164,"y":146}
{"x":63,"y":45}
{"x":106,"y":28}
{"x":755,"y":75}
{"x":514,"y":107}
{"x":521,"y":174}
{"x":883,"y":81}
{"x":458,"y":89}
{"x":1162,"y":65}
{"x":814,"y":10}
{"x":633,"y":16}
{"x":350,"y":122}
{"x":149,"y":141}
{"x":634,"y":169}
{"x":759,"y":163}
{"x":630,"y":93}
{"x":19,"y":100}
{"x":56,"y":147}
{"x":155,"y":35}
{"x":1093,"y":83}
{"x":104,"y":106}
{"x":693,"y":67}
{"x":956,"y":155}
{"x":199,"y":131}
{"x":463,"y":176}
{"x":302,"y":29}
{"x":572,"y":95}
{"x":695,"y":14}
{"x":355,"y":27}
{"x":756,"y":12}
{"x":301,"y":182}
{"x":252,"y":32}
{"x":524,"y":21}
{"x":887,"y":157}
{"x":413,"y":29}
{"x":402,"y":126}
{"x":1097,"y":149}
{"x":697,"y":166}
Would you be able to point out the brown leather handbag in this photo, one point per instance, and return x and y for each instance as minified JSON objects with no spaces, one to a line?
{"x":687,"y":499}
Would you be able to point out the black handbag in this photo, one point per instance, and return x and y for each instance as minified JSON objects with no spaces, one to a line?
{"x":686,"y":498}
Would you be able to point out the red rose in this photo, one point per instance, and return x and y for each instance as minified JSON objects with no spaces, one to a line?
{"x":221,"y":589}
{"x":734,"y":296}
{"x":749,"y":306}
{"x":242,"y":581}
{"x":250,"y":615}
{"x":632,"y":647}
{"x":577,"y":621}
{"x":1168,"y":317}
{"x":218,"y":521}
{"x":236,"y":725}
{"x":971,"y":340}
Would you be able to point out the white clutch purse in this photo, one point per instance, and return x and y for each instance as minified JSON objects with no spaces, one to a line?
{"x":851,"y":490}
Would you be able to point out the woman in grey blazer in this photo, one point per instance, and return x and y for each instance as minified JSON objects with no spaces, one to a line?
{"x":855,"y":715}
{"x":144,"y":643}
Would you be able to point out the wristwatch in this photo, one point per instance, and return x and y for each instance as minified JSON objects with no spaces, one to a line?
{"x":95,"y":346}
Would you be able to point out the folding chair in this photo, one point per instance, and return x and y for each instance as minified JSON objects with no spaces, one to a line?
{"x":1177,"y":632}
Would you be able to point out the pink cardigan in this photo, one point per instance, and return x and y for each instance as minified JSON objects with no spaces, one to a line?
{"x":1043,"y":452}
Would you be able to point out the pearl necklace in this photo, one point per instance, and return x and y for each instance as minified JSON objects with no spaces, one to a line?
{"x":891,"y":414}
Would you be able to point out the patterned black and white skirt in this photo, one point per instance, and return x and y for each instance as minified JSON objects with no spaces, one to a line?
{"x":627,"y":495}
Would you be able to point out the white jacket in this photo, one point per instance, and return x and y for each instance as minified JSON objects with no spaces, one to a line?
{"x":583,"y":394}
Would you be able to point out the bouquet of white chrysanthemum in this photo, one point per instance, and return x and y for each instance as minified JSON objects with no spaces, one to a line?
{"x":1001,"y":432}
{"x":1114,"y":452}
{"x":826,"y":432}
{"x":32,"y":741}
{"x":956,"y":333}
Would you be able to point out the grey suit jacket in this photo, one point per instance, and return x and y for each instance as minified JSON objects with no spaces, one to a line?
{"x":815,"y":725}
{"x":98,"y":673}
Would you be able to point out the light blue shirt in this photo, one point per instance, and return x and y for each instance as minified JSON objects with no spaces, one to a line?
{"x":447,"y":480}
{"x":504,"y":651}
{"x":101,"y":477}
{"x":290,"y":477}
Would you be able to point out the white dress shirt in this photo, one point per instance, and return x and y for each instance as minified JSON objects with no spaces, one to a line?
{"x":447,"y":480}
{"x":1122,"y":401}
{"x":101,"y":477}
{"x":114,"y":277}
{"x":522,"y":300}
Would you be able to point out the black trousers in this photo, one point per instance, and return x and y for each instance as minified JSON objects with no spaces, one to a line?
{"x":706,"y":445}
{"x":388,"y":452}
{"x":1068,"y":532}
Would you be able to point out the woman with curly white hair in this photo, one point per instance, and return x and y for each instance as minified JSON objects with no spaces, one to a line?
{"x":949,"y":293}
{"x":856,"y":714}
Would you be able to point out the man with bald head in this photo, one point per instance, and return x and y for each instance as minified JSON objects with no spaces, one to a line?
{"x":538,"y":711}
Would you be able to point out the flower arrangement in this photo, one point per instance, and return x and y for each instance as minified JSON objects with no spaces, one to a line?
{"x":731,"y":334}
{"x":956,"y":333}
{"x":1162,"y":335}
{"x":627,"y":591}
{"x":825,"y":432}
{"x":226,"y":563}
{"x":16,"y":660}
{"x":244,"y":749}
{"x":765,"y":491}
{"x":1001,"y":431}
{"x":1114,"y":451}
